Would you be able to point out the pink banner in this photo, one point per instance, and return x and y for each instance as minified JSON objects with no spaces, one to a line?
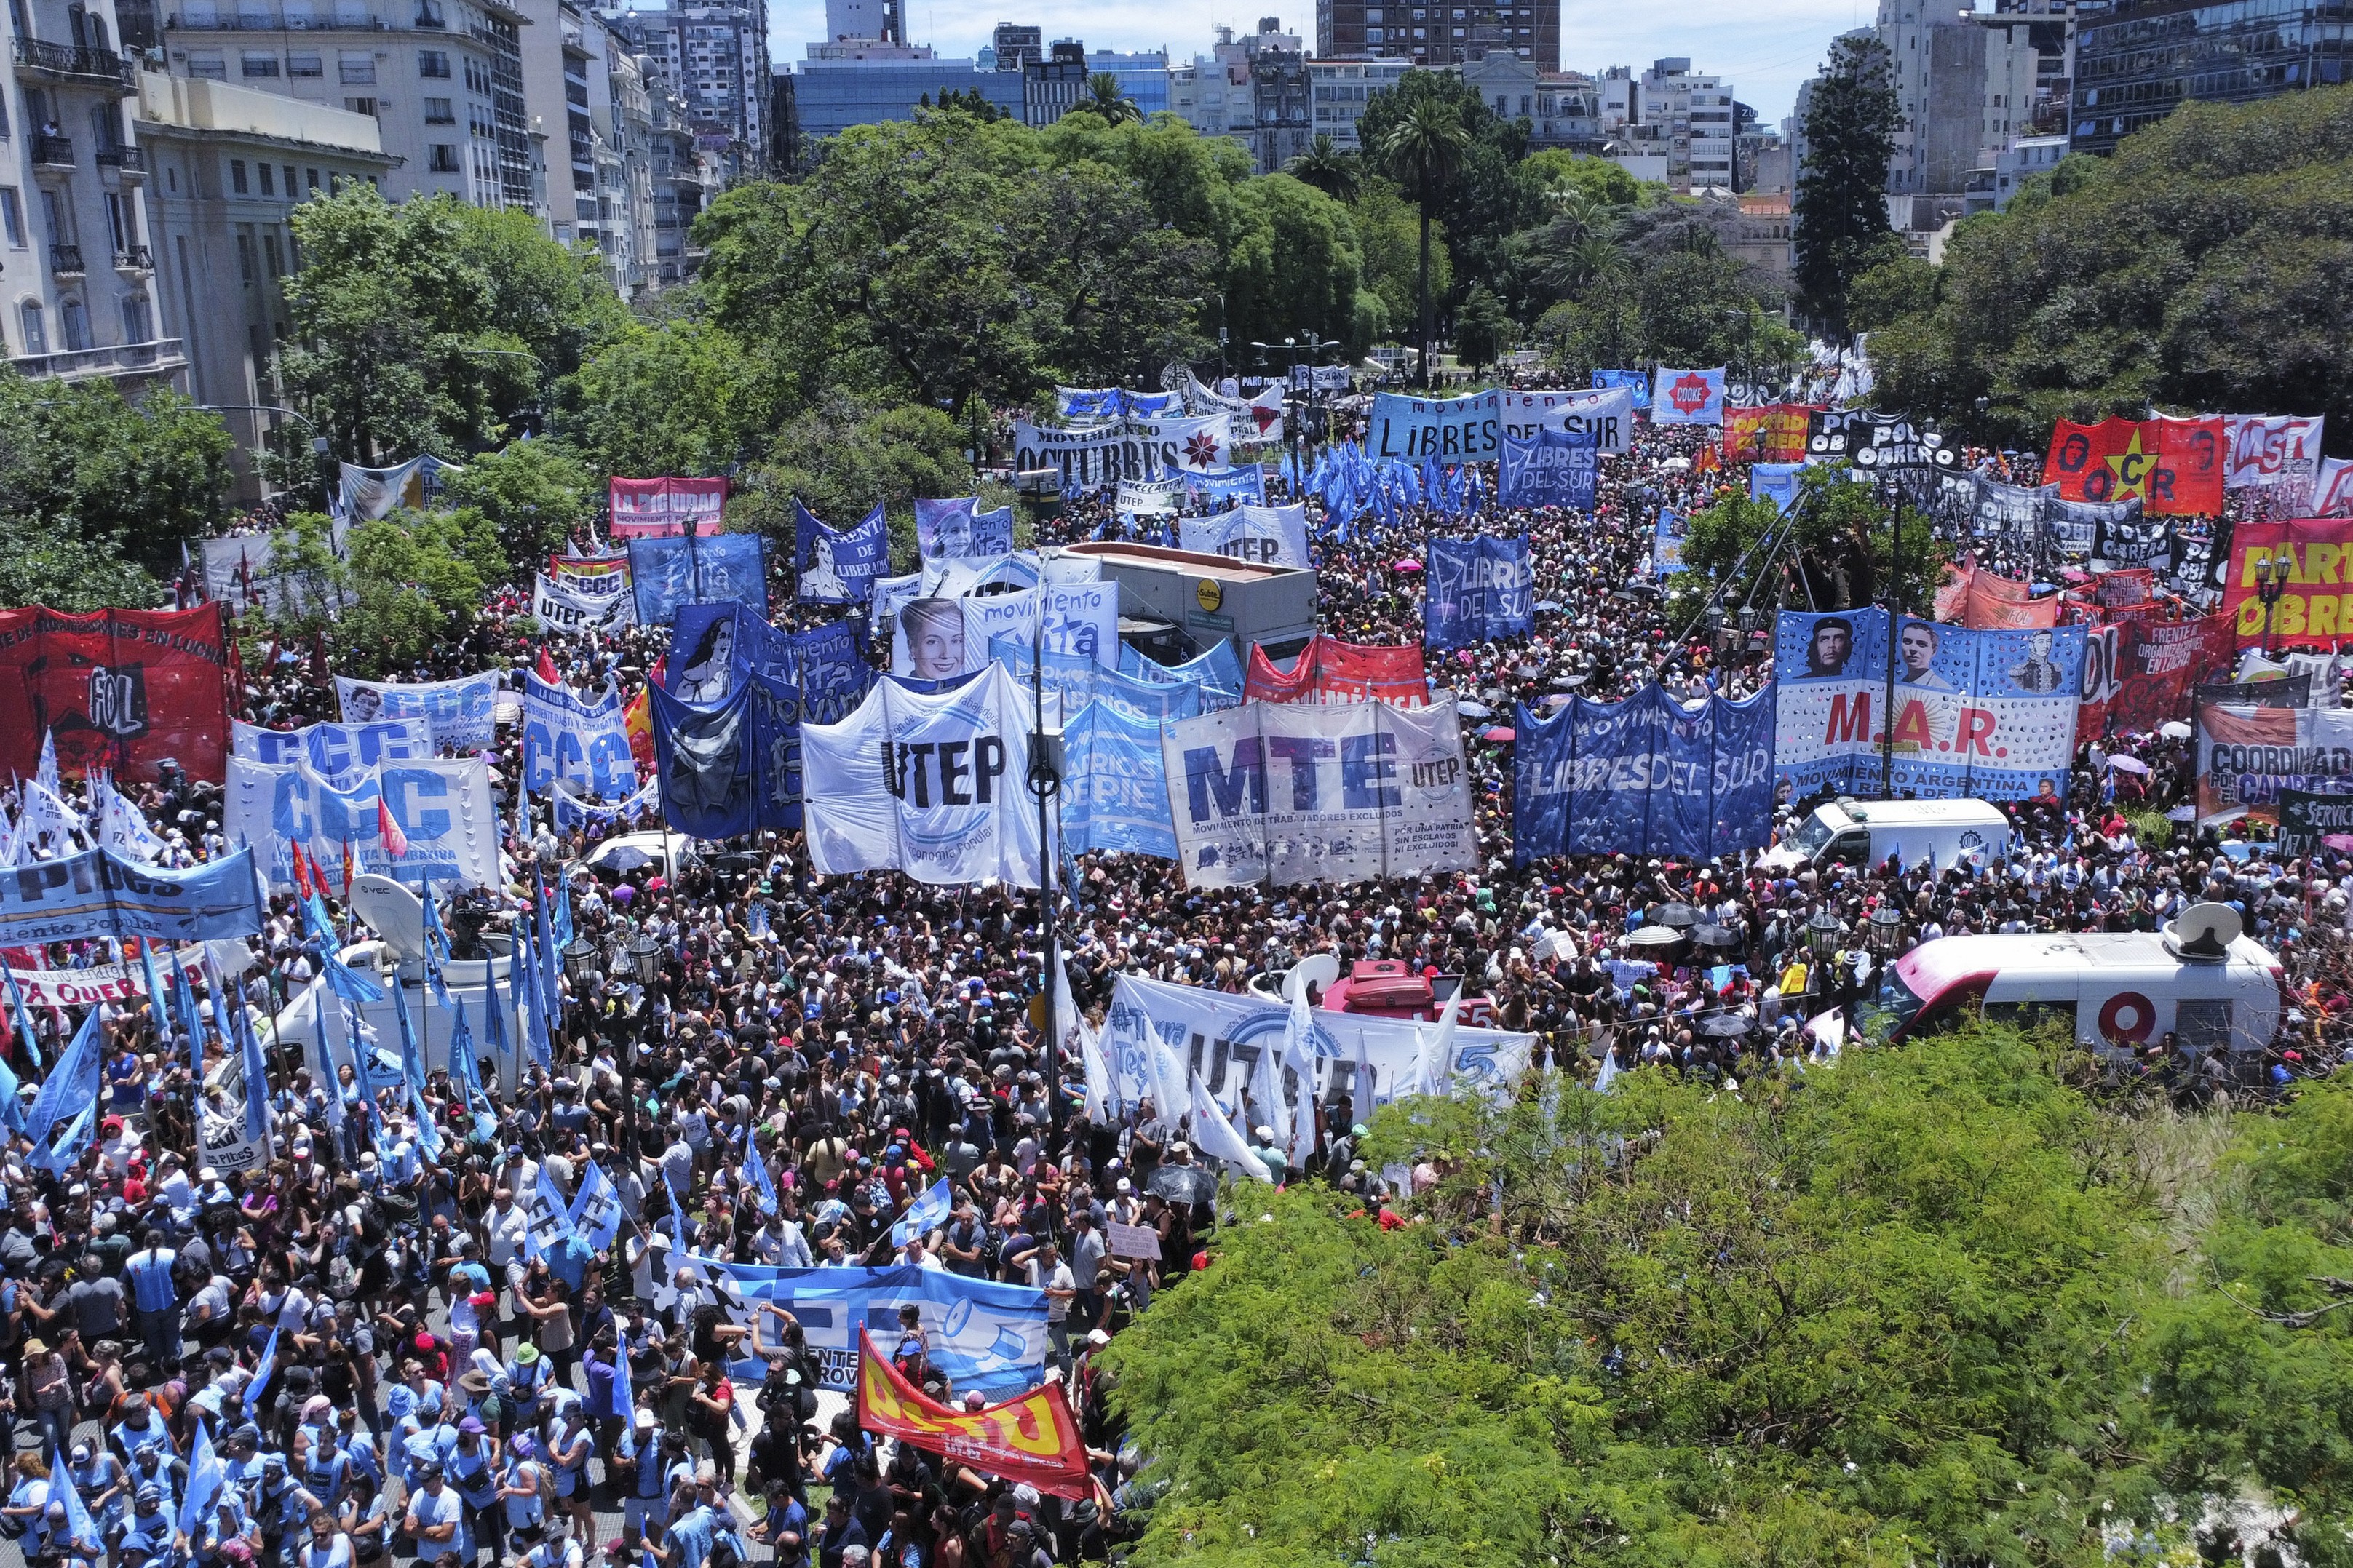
{"x":645,"y":509}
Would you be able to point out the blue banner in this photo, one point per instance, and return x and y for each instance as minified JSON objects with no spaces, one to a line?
{"x":724,"y":568}
{"x":1645,"y":776}
{"x":1478,"y":589}
{"x":816,"y":677}
{"x":580,"y":740}
{"x":776,"y":714}
{"x":98,"y":893}
{"x":830,"y":670}
{"x":838,"y":566}
{"x":1443,"y":430}
{"x":1217,"y":672}
{"x":1556,"y":468}
{"x":981,"y":1334}
{"x":1115,"y":797}
{"x":1072,"y":681}
{"x":1667,"y":544}
{"x":1635,"y":381}
{"x":1777,"y":482}
{"x":1235,"y":487}
{"x":703,"y":755}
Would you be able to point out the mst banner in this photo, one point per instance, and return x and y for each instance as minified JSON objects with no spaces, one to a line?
{"x":442,"y":808}
{"x":123,"y":690}
{"x":1330,"y":670}
{"x":1478,"y":589}
{"x":2318,"y":604}
{"x":1448,"y":429}
{"x":2247,"y":758}
{"x":98,"y":893}
{"x":1645,"y":776}
{"x":463,"y":714}
{"x":1983,"y":713}
{"x":647,"y":508}
{"x":1292,"y":793}
{"x":930,"y":783}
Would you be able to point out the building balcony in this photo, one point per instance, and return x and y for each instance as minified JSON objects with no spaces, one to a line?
{"x":65,"y":260}
{"x":52,"y":153}
{"x":130,"y":160}
{"x":163,"y":357}
{"x":63,"y":62}
{"x":137,"y":258}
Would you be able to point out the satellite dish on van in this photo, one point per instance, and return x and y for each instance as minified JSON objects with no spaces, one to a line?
{"x":1321,"y":968}
{"x":397,"y":914}
{"x":2204,"y":931}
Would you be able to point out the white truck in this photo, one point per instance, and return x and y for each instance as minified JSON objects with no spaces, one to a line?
{"x":1865,"y":833}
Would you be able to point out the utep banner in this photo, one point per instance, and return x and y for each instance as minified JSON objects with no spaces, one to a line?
{"x":1637,"y":386}
{"x":443,"y":809}
{"x":930,"y":783}
{"x":1290,"y":793}
{"x":1158,"y":1035}
{"x":2269,"y":450}
{"x":463,"y":714}
{"x":1265,"y":535}
{"x":334,"y":750}
{"x":725,"y":568}
{"x":1687,"y":398}
{"x":2316,"y":606}
{"x":1607,"y":415}
{"x":2249,"y":757}
{"x":1071,"y":681}
{"x":1768,"y":433}
{"x":1328,"y":670}
{"x":123,"y":690}
{"x":560,"y":609}
{"x":957,"y":529}
{"x":1115,"y":783}
{"x":1555,"y":468}
{"x":838,"y":566}
{"x":1647,"y":776}
{"x":574,"y":740}
{"x":1983,"y":713}
{"x":2173,"y":465}
{"x":1448,"y":429}
{"x":1479,"y":590}
{"x":647,"y":508}
{"x":98,"y":893}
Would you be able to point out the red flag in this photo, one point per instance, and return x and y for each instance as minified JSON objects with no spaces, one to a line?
{"x":301,"y":868}
{"x":318,"y":657}
{"x":2171,"y":466}
{"x":1033,"y":1438}
{"x":546,"y":671}
{"x":347,"y":863}
{"x":396,"y":842}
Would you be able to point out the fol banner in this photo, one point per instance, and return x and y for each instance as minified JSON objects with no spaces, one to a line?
{"x":1478,"y":590}
{"x":1330,"y":670}
{"x":1553,"y":467}
{"x":1984,"y":713}
{"x":1115,"y":782}
{"x":1285,"y":794}
{"x":1687,"y":397}
{"x":463,"y":714}
{"x":334,"y":750}
{"x":1647,"y":776}
{"x":576,"y":741}
{"x":98,"y":893}
{"x":838,"y":566}
{"x":2173,"y":465}
{"x":122,"y":689}
{"x":2249,"y":758}
{"x":1447,"y":429}
{"x":649,"y":508}
{"x":1032,"y":1438}
{"x":1607,"y":415}
{"x":931,"y":784}
{"x":442,"y":808}
{"x":2316,"y":606}
{"x":1265,"y":535}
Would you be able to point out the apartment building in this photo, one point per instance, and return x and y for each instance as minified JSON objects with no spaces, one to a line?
{"x":714,"y":57}
{"x":1338,"y":92}
{"x":1438,"y":35}
{"x":1669,"y":124}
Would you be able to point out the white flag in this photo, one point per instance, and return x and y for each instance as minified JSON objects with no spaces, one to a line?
{"x":1216,"y":1135}
{"x":1438,"y":1051}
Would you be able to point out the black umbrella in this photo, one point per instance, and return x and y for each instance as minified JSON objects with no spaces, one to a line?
{"x":1183,"y":1184}
{"x":1724,"y":1027}
{"x":1715,"y":936}
{"x":1678,"y":917}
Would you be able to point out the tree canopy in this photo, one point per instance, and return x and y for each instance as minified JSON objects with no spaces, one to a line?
{"x":1841,"y":206}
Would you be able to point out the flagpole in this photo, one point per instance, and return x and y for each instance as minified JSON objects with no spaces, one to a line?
{"x":1045,"y":783}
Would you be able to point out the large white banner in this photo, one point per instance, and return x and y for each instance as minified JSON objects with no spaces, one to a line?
{"x":1292,"y":792}
{"x":2269,"y":450}
{"x":442,"y":808}
{"x":581,"y":741}
{"x":1158,"y":1035}
{"x":1268,"y":535}
{"x":561,"y":609}
{"x":1133,"y":449}
{"x":1607,"y":414}
{"x":938,"y":637}
{"x":1248,"y":419}
{"x":462,"y":713}
{"x":241,"y":572}
{"x":933,"y":785}
{"x":57,"y":988}
{"x":334,"y":750}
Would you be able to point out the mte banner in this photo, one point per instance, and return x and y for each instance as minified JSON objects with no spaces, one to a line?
{"x":1647,"y":776}
{"x":1448,"y":429}
{"x":122,"y":689}
{"x":648,"y":509}
{"x":1478,"y":589}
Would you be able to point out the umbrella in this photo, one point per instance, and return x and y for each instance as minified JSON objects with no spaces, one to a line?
{"x":1409,"y":564}
{"x":2129,"y":764}
{"x":1498,"y":732}
{"x":1470,"y":710}
{"x":1715,"y":936}
{"x":1183,"y":1184}
{"x":1677,"y":464}
{"x":2174,"y":729}
{"x":1651,"y":936}
{"x":1724,"y":1027}
{"x":1680,"y":917}
{"x":1548,"y":604}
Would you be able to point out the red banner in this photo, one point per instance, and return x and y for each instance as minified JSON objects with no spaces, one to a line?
{"x":2157,"y":663}
{"x":1032,"y":1438}
{"x":122,"y":689}
{"x":2172,"y":466}
{"x":1330,"y":670}
{"x":2003,"y":604}
{"x":644,"y":508}
{"x":1768,"y":433}
{"x":2316,"y":608}
{"x":589,"y":572}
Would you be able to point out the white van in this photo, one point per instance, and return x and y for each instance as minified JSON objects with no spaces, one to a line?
{"x":2202,"y":979}
{"x":1865,"y":833}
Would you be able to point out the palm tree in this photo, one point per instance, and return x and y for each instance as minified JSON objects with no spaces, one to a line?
{"x":1421,"y":150}
{"x":1104,"y":99}
{"x":1324,"y":166}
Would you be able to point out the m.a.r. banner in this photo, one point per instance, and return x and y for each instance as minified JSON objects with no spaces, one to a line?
{"x":1983,"y":713}
{"x":123,"y":690}
{"x":2316,"y":606}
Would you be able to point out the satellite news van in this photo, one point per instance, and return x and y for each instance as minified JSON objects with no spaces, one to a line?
{"x":1849,"y":832}
{"x":2202,"y":979}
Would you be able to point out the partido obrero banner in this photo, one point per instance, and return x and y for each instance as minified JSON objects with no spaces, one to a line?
{"x":1478,"y":589}
{"x":461,"y":714}
{"x":1263,"y":535}
{"x":1285,"y":794}
{"x":2317,"y":604}
{"x":98,"y":893}
{"x":122,"y":689}
{"x":1647,"y":776}
{"x":1448,"y":429}
{"x":1984,"y":713}
{"x":442,"y":808}
{"x":579,"y":740}
{"x":1158,"y":1035}
{"x":334,"y":750}
{"x":2249,"y":757}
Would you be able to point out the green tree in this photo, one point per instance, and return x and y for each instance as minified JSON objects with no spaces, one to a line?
{"x":417,"y":581}
{"x":1480,"y":328}
{"x":1327,"y":167}
{"x":966,"y":100}
{"x":535,"y":493}
{"x":1491,"y":192}
{"x":1558,"y":172}
{"x":1841,"y":206}
{"x":39,"y":566}
{"x":1107,"y":100}
{"x":1387,"y":226}
{"x":1420,"y":148}
{"x":1836,"y":549}
{"x":127,"y":482}
{"x":1882,"y":295}
{"x":840,"y":458}
{"x":1294,"y":266}
{"x":680,"y":397}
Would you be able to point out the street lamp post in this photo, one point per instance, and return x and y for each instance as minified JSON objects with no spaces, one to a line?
{"x":2271,"y":582}
{"x":1886,"y":929}
{"x":645,"y":956}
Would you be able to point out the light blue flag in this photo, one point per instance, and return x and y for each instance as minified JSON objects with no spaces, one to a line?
{"x":624,"y":1392}
{"x":465,"y":1066}
{"x":494,"y":1014}
{"x":12,"y":1107}
{"x":156,"y":998}
{"x":550,"y":1215}
{"x":256,"y":1078}
{"x":597,"y":1209}
{"x":80,"y":1526}
{"x":69,"y":1148}
{"x":261,"y":1375}
{"x":205,"y":1480}
{"x":23,"y":1018}
{"x":428,"y":1133}
{"x":216,"y":993}
{"x":763,"y":1186}
{"x":75,"y":1081}
{"x":436,"y":948}
{"x":412,"y":1062}
{"x":542,"y":932}
{"x":526,"y":970}
{"x":932,"y":1209}
{"x":192,"y":1020}
{"x":564,"y":931}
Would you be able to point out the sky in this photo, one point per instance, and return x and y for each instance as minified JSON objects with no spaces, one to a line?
{"x":1765,"y":48}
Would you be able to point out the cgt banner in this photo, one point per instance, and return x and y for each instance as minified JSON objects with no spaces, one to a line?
{"x":576,"y":740}
{"x":1553,"y":467}
{"x":1687,"y":397}
{"x":334,"y":750}
{"x":1269,"y":793}
{"x":122,"y":689}
{"x":649,"y":508}
{"x":463,"y":714}
{"x":1115,"y":782}
{"x":1446,"y":429}
{"x":2249,"y":757}
{"x":1478,"y":589}
{"x":2316,"y":606}
{"x":1647,"y":776}
{"x":931,"y":784}
{"x":443,"y":809}
{"x":2173,"y":465}
{"x":1983,"y":713}
{"x":1328,"y":670}
{"x":99,"y":893}
{"x":1265,"y":535}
